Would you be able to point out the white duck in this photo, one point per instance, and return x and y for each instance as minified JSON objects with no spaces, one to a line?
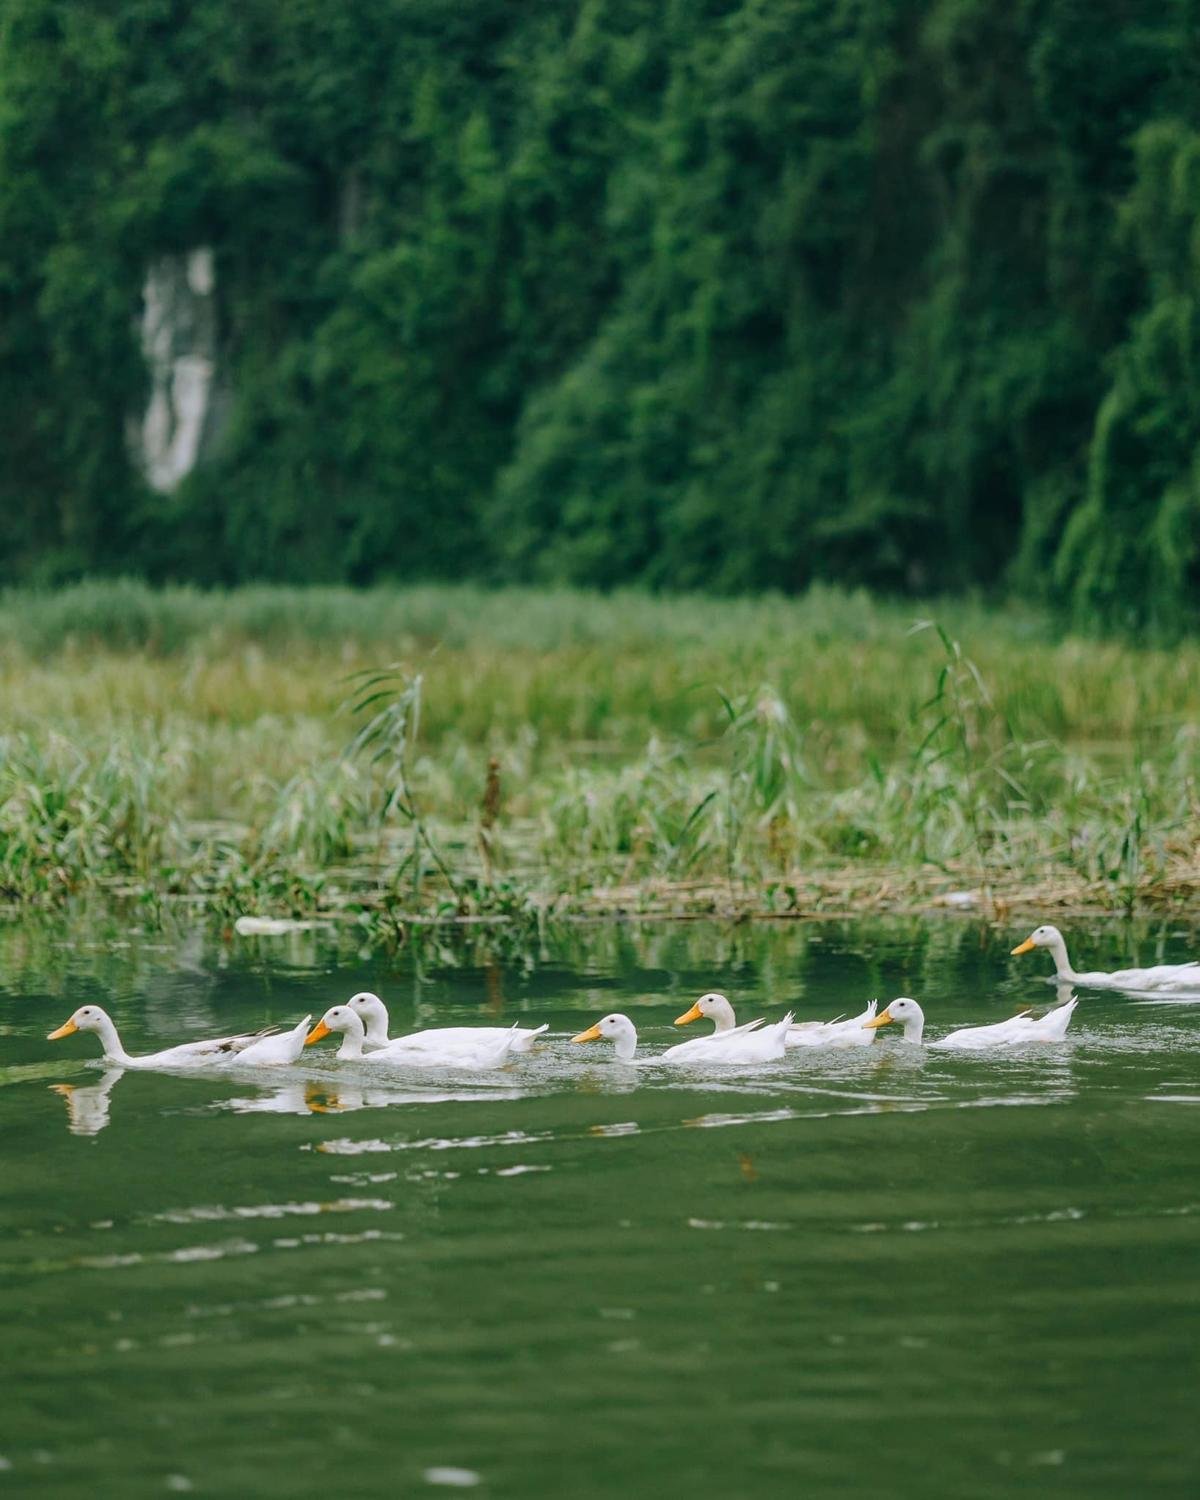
{"x":188,"y":1055}
{"x":717,"y":1009}
{"x":1158,"y":978}
{"x":1051,"y":1027}
{"x":490,"y":1053}
{"x":375,"y":1018}
{"x":746,"y":1044}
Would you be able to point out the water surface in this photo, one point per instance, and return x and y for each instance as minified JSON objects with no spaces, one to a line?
{"x":881,"y":1273}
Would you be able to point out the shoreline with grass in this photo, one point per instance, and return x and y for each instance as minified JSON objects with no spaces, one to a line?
{"x":456,"y":755}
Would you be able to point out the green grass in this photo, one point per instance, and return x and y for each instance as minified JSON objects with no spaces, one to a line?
{"x":762,"y":754}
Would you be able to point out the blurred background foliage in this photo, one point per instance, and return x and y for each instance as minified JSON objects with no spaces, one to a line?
{"x":700,"y":294}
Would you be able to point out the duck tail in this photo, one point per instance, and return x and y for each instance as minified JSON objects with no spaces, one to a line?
{"x":504,"y":1047}
{"x":524,"y":1041}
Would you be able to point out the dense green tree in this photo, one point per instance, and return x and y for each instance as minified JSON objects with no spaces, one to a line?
{"x":1132,"y":548}
{"x":705,"y":293}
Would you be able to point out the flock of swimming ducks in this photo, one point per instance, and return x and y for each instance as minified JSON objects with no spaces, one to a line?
{"x":362,"y":1024}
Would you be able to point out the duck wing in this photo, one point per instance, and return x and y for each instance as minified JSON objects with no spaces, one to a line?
{"x":444,"y":1039}
{"x":697,"y":1049}
{"x":1160,"y":977}
{"x":839,"y":1033}
{"x":488,"y":1050}
{"x":971,"y":1038}
{"x":276,"y":1048}
{"x":1051,"y":1027}
{"x":753,"y":1042}
{"x":197,"y":1054}
{"x":470,"y":1038}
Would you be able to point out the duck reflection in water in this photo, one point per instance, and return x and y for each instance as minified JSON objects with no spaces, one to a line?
{"x":87,"y":1103}
{"x":311,"y":1099}
{"x":291,"y":1099}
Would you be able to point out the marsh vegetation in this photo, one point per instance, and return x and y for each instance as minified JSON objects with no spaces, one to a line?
{"x":449,"y":752}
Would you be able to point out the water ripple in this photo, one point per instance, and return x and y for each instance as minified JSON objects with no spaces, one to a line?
{"x":215,"y":1213}
{"x":347,"y":1146}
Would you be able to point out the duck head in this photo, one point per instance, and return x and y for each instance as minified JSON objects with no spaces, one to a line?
{"x":904,"y":1012}
{"x":713,"y":1007}
{"x":614,"y":1028}
{"x":1041,"y":937}
{"x":342,"y":1019}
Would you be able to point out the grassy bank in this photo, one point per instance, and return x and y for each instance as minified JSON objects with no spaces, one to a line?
{"x":541,"y":751}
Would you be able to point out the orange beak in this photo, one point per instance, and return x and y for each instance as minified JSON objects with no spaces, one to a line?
{"x":695,"y":1014}
{"x":65,"y":1029}
{"x":1024,"y":947}
{"x":315,"y":1035}
{"x":885,"y":1019}
{"x":592,"y":1034}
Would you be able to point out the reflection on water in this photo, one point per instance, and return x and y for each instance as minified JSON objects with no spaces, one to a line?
{"x":573,"y":1276}
{"x":290,"y":1099}
{"x":88,"y":1104}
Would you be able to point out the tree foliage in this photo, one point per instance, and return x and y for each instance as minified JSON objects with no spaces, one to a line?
{"x":726,"y":294}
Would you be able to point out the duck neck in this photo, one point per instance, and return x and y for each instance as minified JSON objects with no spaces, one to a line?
{"x":1062,"y":964}
{"x":914,"y":1028}
{"x":625,"y":1045}
{"x":722,"y":1017}
{"x":352,"y":1042}
{"x":111,"y":1042}
{"x":375,"y":1018}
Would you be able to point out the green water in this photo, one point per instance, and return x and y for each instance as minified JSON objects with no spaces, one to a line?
{"x":885,"y":1273}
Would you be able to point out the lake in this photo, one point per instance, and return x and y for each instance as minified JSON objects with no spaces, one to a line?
{"x":878,"y":1273}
